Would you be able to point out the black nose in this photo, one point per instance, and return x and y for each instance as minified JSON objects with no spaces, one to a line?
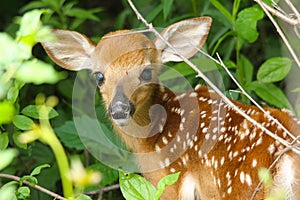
{"x":121,"y":110}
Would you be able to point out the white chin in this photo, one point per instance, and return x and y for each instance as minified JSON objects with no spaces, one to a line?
{"x":122,"y":122}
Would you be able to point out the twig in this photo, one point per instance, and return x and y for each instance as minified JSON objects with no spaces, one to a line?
{"x":277,"y":13}
{"x":103,"y":189}
{"x":44,"y":190}
{"x":201,"y":75}
{"x":280,"y":32}
{"x":252,"y":100}
{"x":292,"y":7}
{"x":220,"y":62}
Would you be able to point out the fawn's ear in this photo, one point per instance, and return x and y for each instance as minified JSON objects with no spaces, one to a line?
{"x":71,"y":50}
{"x":186,"y":36}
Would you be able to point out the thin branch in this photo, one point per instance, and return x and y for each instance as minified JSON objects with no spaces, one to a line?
{"x":201,"y":75}
{"x":103,"y":189}
{"x":44,"y":190}
{"x":280,"y":32}
{"x":279,"y":14}
{"x":252,"y":100}
{"x":293,"y":8}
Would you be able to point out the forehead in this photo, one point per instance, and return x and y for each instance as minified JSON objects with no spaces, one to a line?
{"x":123,"y":50}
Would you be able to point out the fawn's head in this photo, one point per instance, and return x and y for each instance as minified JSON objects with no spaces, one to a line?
{"x":126,"y":64}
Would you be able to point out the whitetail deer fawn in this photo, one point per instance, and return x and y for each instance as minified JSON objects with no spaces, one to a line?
{"x":221,"y":151}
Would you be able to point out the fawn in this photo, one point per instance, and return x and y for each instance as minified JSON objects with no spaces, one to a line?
{"x":217,"y":151}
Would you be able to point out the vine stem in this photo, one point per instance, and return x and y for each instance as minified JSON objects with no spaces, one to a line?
{"x":49,"y":137}
{"x":40,"y":188}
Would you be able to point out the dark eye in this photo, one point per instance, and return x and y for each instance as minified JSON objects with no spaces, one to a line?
{"x":146,"y":75}
{"x":99,"y":78}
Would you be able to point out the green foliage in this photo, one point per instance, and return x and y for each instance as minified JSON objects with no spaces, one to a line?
{"x":19,"y":67}
{"x":135,"y":187}
{"x":7,"y":191}
{"x":17,"y":190}
{"x":274,"y":69}
{"x":6,"y":157}
{"x":246,"y":23}
{"x":63,"y":14}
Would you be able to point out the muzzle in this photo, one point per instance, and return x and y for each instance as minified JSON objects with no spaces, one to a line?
{"x":121,"y":109}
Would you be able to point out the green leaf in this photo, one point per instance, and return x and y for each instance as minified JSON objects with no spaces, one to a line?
{"x":135,"y":187}
{"x":30,"y":179}
{"x":23,"y":193}
{"x":16,"y":140}
{"x":7,"y":191}
{"x":7,"y":112}
{"x":154,"y":13}
{"x":274,"y":69}
{"x":33,"y":5}
{"x":30,"y":25}
{"x":6,"y":157}
{"x":33,"y":111}
{"x":13,"y":52}
{"x":245,"y":70}
{"x":22,"y":122}
{"x":38,"y":169}
{"x":38,"y":72}
{"x":4,"y":140}
{"x":13,"y":94}
{"x":167,"y":8}
{"x":83,"y":14}
{"x":246,"y":23}
{"x":271,"y":94}
{"x":164,"y":182}
{"x":69,"y":136}
{"x":270,"y":2}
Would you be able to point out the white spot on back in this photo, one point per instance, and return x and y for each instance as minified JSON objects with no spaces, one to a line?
{"x":248,"y":179}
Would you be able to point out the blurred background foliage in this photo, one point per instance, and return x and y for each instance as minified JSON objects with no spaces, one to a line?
{"x":243,"y":37}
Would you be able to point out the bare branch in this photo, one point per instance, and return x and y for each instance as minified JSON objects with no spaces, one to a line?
{"x":44,"y":190}
{"x":253,"y":101}
{"x":293,"y":8}
{"x":278,"y":13}
{"x":103,"y":189}
{"x":265,"y":7}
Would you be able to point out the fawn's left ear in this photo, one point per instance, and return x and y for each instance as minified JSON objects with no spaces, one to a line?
{"x":71,"y":50}
{"x":186,"y":36}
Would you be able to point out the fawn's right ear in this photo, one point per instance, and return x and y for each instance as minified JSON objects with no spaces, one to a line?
{"x":70,"y":50}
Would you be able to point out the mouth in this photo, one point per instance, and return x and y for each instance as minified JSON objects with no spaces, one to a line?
{"x":121,"y":122}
